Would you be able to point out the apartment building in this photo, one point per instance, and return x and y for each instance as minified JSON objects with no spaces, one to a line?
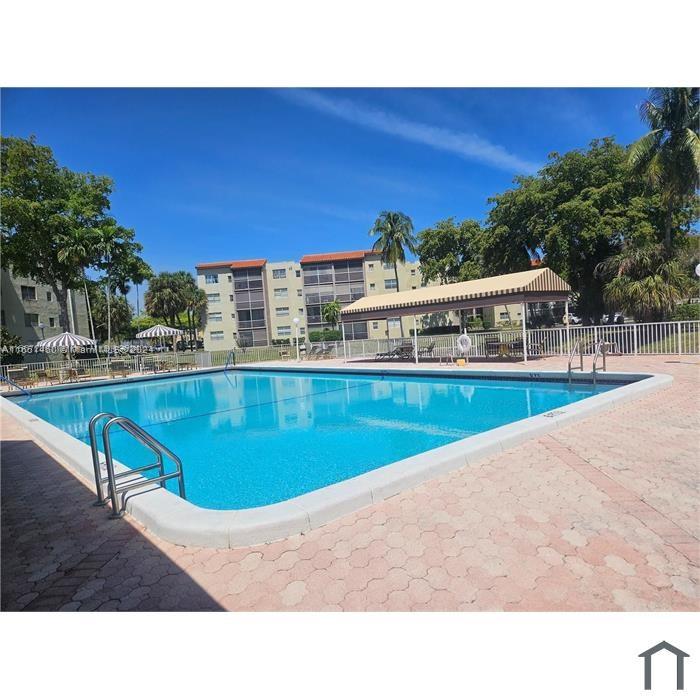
{"x":255,"y":302}
{"x":30,"y":310}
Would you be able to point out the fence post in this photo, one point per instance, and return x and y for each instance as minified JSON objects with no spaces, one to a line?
{"x":680,"y":349}
{"x":634,"y":338}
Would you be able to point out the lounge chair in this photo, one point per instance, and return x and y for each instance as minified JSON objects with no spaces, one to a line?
{"x":387,"y":354}
{"x":312,"y":353}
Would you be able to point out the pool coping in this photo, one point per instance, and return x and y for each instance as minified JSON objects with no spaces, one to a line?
{"x":184,"y":523}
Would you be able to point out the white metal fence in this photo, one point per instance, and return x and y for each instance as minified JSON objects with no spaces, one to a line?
{"x":666,"y":338}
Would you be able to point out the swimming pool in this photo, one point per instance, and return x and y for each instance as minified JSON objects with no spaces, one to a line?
{"x":251,"y":438}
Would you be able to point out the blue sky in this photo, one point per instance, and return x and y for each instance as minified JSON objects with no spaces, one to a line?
{"x":226,"y":173}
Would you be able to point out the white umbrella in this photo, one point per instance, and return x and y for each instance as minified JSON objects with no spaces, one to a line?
{"x":65,"y":340}
{"x":159,"y":331}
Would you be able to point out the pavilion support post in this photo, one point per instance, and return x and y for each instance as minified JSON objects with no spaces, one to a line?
{"x":523,"y":312}
{"x":345,"y":354}
{"x":568,"y":331}
{"x":415,"y":339}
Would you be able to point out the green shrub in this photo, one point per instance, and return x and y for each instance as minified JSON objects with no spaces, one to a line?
{"x":686,"y":312}
{"x":324,"y":336}
{"x":9,"y":343}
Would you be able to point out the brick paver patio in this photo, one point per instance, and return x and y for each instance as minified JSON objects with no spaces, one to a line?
{"x":600,"y":515}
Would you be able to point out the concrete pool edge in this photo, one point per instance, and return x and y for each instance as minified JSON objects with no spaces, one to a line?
{"x":184,"y":523}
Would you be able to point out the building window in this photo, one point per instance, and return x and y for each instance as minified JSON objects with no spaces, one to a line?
{"x":48,"y":296}
{"x":279,"y":274}
{"x":372,"y":285}
{"x":281,"y":292}
{"x":214,"y":298}
{"x":390,"y":284}
{"x":282,"y":311}
{"x":300,"y":292}
{"x":370,"y":266}
{"x":413,"y":287}
{"x":301,"y":311}
{"x":298,"y":273}
{"x":229,"y":278}
{"x":233,"y":315}
{"x":413,"y":272}
{"x":375,"y":325}
{"x":302,"y":330}
{"x":31,"y":320}
{"x":211,"y":278}
{"x":52,"y":322}
{"x":216,"y":335}
{"x":284,"y":330}
{"x":230,"y":297}
{"x":28,"y":293}
{"x":503,"y":315}
{"x":393,"y":323}
{"x":215,"y":317}
{"x":388,"y":266}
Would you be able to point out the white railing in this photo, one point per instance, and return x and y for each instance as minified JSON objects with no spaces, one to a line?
{"x":664,"y":338}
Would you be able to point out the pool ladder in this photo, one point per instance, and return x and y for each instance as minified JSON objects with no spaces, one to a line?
{"x":119,"y":484}
{"x":599,"y":353}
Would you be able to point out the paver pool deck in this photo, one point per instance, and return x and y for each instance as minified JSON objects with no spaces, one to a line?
{"x":603,"y":514}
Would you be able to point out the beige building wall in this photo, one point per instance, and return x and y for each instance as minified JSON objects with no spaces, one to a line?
{"x":285,"y":299}
{"x":26,"y":305}
{"x":220,"y":327}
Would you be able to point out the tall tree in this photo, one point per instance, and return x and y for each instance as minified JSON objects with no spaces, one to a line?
{"x":451,"y":252}
{"x":195,"y":303}
{"x":164,"y":298}
{"x":668,"y":156}
{"x":50,"y":216}
{"x":576,"y":212}
{"x":394,"y":233}
{"x":120,"y":313}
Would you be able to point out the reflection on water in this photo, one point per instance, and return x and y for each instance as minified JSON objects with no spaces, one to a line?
{"x":252,"y":438}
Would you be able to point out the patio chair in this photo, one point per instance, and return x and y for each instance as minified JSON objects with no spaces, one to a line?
{"x":312,"y":353}
{"x":427,"y":351}
{"x":23,"y":378}
{"x":325,"y":354}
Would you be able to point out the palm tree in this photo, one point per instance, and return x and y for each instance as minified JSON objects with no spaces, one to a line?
{"x":644,"y":281}
{"x":331,"y":313}
{"x":195,"y":305}
{"x":164,"y":297}
{"x":668,"y":156}
{"x":394,"y":232}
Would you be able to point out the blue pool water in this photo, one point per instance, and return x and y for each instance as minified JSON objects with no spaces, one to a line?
{"x":251,"y":438}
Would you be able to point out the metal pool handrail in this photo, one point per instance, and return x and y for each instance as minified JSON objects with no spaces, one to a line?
{"x":230,"y":359}
{"x":121,"y":484}
{"x":600,"y":351}
{"x":577,"y":347}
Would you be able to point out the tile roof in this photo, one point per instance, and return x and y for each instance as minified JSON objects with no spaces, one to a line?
{"x":330,"y":257}
{"x":233,"y":264}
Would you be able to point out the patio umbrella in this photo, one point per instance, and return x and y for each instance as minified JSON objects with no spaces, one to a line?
{"x":65,"y":340}
{"x":159,"y":331}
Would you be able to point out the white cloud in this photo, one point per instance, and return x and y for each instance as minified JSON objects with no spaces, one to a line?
{"x":468,"y":146}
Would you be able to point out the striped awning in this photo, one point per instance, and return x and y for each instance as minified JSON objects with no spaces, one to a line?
{"x":65,"y":340}
{"x":540,"y":284}
{"x":158,"y":331}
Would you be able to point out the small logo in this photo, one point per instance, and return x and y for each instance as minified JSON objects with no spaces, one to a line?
{"x":680,"y":659}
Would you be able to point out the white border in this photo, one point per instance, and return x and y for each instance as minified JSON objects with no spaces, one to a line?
{"x":184,"y":523}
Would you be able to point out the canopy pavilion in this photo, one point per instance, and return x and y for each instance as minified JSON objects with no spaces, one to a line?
{"x":537,"y":285}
